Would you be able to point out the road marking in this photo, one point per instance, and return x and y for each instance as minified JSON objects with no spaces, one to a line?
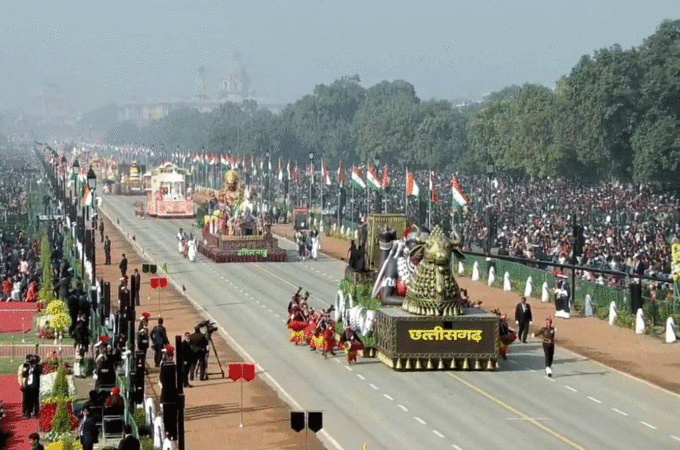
{"x":374,"y":386}
{"x":348,"y":368}
{"x":648,"y":425}
{"x":550,"y":379}
{"x":338,"y":361}
{"x":404,"y":408}
{"x":277,"y":315}
{"x":570,"y":388}
{"x":675,"y":437}
{"x":388,"y":397}
{"x":595,"y":400}
{"x":619,"y":411}
{"x":420,"y":420}
{"x":361,"y":376}
{"x":456,"y":447}
{"x":502,"y":404}
{"x":438,"y":433}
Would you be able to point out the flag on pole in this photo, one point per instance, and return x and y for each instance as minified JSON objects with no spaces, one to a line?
{"x":86,"y":200}
{"x":356,"y":178}
{"x":460,"y":199}
{"x":325,"y":178}
{"x":385,"y":178}
{"x":433,"y":194}
{"x":412,"y":189}
{"x":280,"y":171}
{"x":372,"y":179}
{"x":341,"y":175}
{"x":288,"y":169}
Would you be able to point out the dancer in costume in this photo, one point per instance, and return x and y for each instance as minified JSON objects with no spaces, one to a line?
{"x":329,"y":342}
{"x":506,"y":336}
{"x":350,"y":341}
{"x":548,"y":334}
{"x":296,"y":326}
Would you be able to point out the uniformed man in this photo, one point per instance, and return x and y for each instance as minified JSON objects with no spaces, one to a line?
{"x":199,"y":348}
{"x":107,"y":251}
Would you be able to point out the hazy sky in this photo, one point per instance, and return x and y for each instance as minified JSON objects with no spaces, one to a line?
{"x":102,"y":51}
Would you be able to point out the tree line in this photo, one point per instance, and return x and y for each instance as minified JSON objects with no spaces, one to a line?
{"x":616,"y":115}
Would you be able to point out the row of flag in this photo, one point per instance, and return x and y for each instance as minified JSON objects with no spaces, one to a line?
{"x":371,"y":181}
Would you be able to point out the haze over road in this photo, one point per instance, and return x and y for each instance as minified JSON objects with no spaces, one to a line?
{"x":584,"y":406}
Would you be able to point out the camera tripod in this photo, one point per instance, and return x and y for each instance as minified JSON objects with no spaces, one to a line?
{"x":207,"y":355}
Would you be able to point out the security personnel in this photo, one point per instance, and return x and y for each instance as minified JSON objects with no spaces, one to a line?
{"x":199,"y":347}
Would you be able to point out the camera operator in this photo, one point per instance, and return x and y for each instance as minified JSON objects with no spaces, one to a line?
{"x":199,"y":347}
{"x":29,"y":381}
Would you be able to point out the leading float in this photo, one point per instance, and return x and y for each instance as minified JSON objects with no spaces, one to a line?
{"x":167,"y":195}
{"x":401,"y":297}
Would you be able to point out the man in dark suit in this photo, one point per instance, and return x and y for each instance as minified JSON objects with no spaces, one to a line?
{"x":135,"y":285}
{"x":89,"y":431}
{"x":123,"y":266}
{"x":159,"y":339}
{"x":107,"y":251}
{"x":523,"y":319}
{"x":129,"y":442}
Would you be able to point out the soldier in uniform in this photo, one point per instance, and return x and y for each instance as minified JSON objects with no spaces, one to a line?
{"x":107,"y":251}
{"x":548,"y":334}
{"x":199,"y":349}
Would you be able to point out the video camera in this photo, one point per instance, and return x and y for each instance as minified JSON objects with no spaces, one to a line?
{"x":209,"y":326}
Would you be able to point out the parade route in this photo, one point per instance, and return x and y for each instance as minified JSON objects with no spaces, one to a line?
{"x":585,"y":406}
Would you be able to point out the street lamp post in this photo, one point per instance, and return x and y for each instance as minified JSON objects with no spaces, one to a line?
{"x":92,"y":184}
{"x":490,"y":169}
{"x":63,"y":184}
{"x":75,"y":171}
{"x":311,"y":179}
{"x":376,"y":164}
{"x":269,"y":182}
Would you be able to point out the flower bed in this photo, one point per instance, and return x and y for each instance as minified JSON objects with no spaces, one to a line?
{"x":47,"y":384}
{"x":49,"y":410}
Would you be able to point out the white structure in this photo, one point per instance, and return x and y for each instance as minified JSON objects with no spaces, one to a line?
{"x":671,"y":335}
{"x":544,"y":292}
{"x":527,"y":288}
{"x":612,"y":313}
{"x":475,"y":271}
{"x":588,"y":306}
{"x":492,"y":276}
{"x":639,"y":322}
{"x":506,"y":282}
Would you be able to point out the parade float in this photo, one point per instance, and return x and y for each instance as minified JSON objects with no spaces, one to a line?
{"x":400,"y":294}
{"x":233,"y":232}
{"x":166,"y":193}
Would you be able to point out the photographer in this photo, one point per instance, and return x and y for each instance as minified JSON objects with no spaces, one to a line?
{"x":29,"y":381}
{"x":199,"y":347}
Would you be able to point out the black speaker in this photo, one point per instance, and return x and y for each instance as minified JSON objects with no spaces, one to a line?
{"x":636,"y":301}
{"x":169,"y":397}
{"x":107,"y":299}
{"x":315,"y":420}
{"x":140,"y":367}
{"x":297,"y":420}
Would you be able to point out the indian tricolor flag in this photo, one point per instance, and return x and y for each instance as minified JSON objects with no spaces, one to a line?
{"x":341,"y":174}
{"x":372,"y":179}
{"x":385,"y":178}
{"x":412,"y":189}
{"x":356,"y":178}
{"x":459,"y":198}
{"x":433,"y":193}
{"x":325,"y":178}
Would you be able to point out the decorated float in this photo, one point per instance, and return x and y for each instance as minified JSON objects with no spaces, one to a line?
{"x":131,"y":179}
{"x":166,"y":194}
{"x":400,"y":295}
{"x":232,"y":229}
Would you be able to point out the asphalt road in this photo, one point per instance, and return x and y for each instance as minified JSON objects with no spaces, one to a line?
{"x":585,"y":405}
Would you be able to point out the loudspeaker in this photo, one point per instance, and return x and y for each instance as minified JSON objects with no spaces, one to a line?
{"x":636,"y":301}
{"x":169,"y":397}
{"x":315,"y":420}
{"x":138,"y":390}
{"x":107,"y":299}
{"x":297,"y":420}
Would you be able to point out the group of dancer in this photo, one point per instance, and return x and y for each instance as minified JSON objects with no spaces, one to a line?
{"x":187,"y":244}
{"x":317,"y":329}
